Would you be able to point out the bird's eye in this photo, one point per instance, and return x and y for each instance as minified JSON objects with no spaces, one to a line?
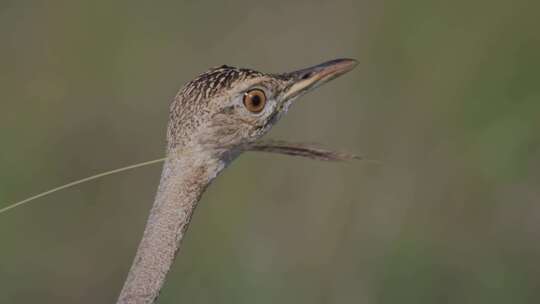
{"x":254,"y":100}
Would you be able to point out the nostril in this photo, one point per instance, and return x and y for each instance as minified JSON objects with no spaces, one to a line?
{"x":306,"y":76}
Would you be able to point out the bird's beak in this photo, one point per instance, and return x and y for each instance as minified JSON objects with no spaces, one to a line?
{"x":305,"y":80}
{"x":299,"y":83}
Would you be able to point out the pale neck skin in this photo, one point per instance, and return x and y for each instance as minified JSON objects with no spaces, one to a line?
{"x":184,"y":178}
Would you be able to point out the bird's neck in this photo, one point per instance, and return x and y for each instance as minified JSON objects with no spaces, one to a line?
{"x":184,"y":178}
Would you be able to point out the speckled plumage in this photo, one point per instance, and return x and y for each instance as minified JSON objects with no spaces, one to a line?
{"x":208,"y":126}
{"x":215,"y":80}
{"x":204,"y":103}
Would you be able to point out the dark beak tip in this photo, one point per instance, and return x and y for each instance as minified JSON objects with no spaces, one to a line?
{"x":347,"y":63}
{"x":336,"y":67}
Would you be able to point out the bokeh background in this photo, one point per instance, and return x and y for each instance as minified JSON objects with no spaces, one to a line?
{"x":446,"y":97}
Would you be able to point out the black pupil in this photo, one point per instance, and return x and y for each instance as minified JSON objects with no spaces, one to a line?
{"x":256,"y":100}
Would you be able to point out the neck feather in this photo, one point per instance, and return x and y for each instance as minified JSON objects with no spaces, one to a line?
{"x":184,"y":178}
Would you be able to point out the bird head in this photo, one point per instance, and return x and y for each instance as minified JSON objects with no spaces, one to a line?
{"x":228,"y":109}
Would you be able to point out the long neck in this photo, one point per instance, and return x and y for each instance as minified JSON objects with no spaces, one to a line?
{"x":183,"y":180}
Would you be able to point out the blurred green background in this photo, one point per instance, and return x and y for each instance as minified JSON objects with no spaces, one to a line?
{"x":446,"y":96}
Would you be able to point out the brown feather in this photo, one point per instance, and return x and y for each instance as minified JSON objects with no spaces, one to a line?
{"x":300,"y":149}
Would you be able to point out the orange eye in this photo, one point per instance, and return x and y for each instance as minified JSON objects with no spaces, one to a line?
{"x":255,"y":100}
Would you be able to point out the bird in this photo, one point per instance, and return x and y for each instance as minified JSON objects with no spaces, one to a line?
{"x":212,"y":120}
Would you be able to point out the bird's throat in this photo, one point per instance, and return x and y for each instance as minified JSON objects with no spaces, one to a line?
{"x":184,"y":178}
